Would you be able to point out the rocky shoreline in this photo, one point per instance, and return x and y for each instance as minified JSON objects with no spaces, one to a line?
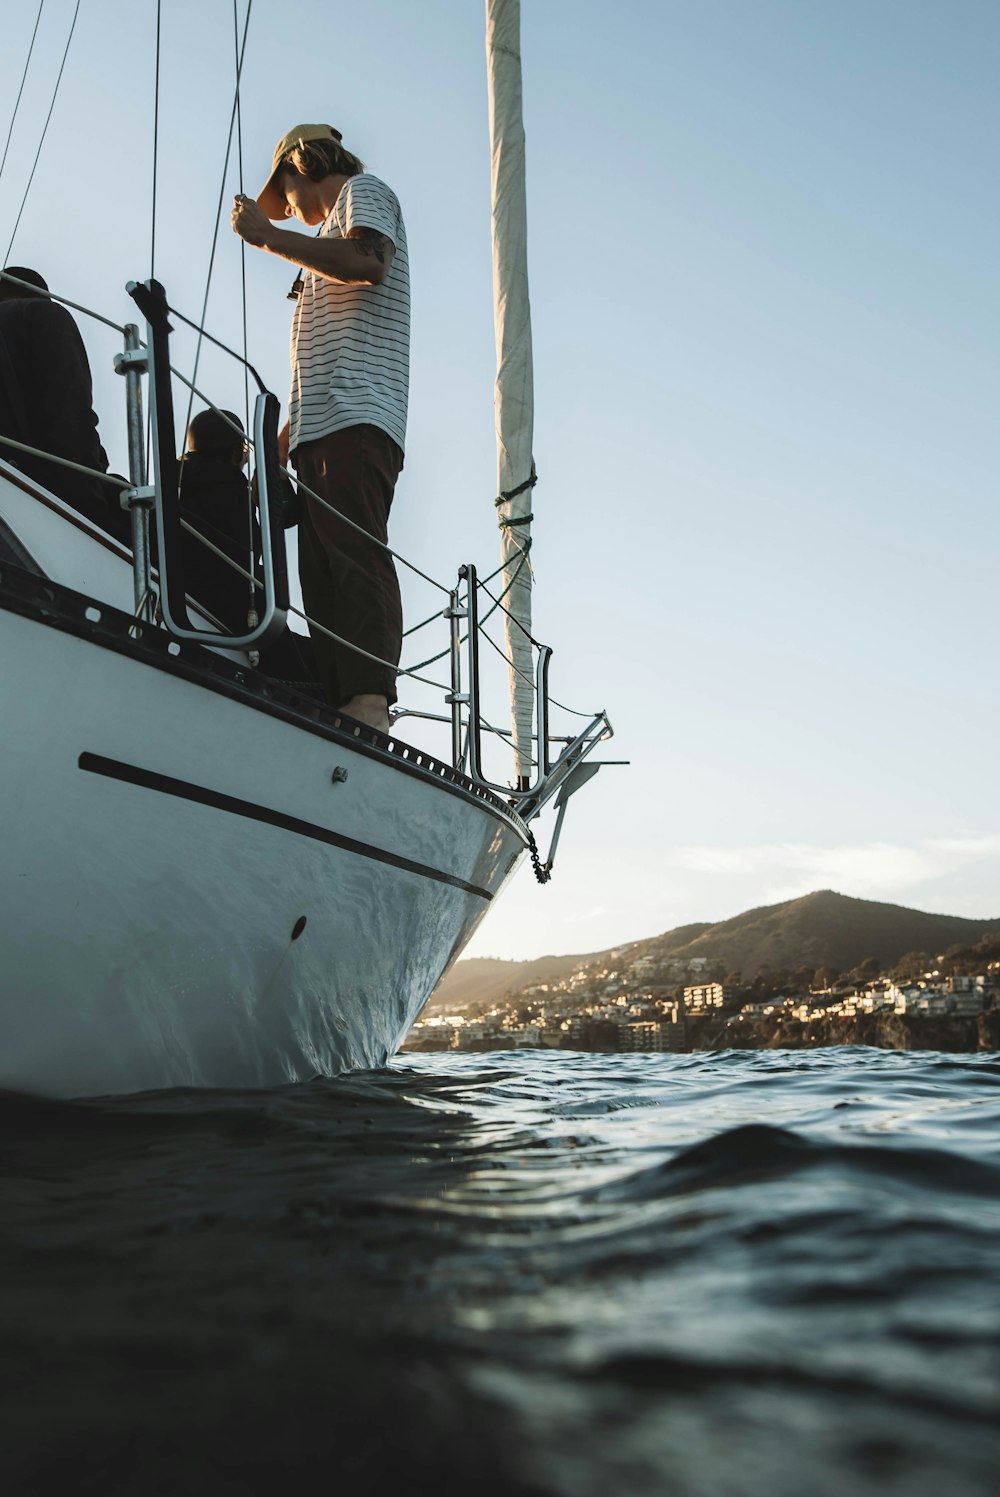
{"x":953,"y":1034}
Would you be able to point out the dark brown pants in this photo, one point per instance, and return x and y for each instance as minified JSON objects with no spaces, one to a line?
{"x":349,"y":584}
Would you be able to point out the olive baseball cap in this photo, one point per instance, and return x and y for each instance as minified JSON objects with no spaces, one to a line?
{"x":269,"y":198}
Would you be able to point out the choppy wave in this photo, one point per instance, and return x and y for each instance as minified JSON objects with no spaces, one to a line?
{"x":755,"y":1272}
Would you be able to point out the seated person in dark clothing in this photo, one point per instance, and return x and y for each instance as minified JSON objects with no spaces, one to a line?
{"x":46,"y":401}
{"x":215,"y":500}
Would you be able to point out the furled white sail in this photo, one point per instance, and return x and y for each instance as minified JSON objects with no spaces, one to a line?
{"x":514,"y":395}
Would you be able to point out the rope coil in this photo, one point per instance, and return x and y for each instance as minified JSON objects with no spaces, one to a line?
{"x":506,"y":495}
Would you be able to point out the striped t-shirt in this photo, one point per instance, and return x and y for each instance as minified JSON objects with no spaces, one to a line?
{"x":351,"y":342}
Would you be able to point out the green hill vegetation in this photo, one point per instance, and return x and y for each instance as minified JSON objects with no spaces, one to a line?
{"x":484,"y":980}
{"x":823,"y":931}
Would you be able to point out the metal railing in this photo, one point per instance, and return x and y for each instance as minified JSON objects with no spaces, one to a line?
{"x":463,"y":692}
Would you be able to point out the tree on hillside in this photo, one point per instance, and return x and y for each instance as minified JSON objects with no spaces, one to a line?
{"x":825,"y":977}
{"x":866,"y":971}
{"x":912,"y":964}
{"x":958,"y":959}
{"x":769,"y":982}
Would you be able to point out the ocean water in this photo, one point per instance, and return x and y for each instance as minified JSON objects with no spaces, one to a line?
{"x":532,"y":1273}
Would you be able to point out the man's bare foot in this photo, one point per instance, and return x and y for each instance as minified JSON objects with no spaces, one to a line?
{"x":369,"y":709}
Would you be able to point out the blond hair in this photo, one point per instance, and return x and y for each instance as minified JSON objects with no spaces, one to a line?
{"x":317,"y":159}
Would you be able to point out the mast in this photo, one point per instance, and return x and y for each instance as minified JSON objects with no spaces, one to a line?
{"x":514,"y":391}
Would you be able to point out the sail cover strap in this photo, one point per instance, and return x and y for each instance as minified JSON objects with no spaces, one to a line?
{"x":514,"y":392}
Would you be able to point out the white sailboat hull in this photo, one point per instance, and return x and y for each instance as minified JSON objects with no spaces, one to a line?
{"x":187,"y":896}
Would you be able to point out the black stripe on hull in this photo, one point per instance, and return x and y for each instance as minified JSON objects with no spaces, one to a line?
{"x":131,"y":774}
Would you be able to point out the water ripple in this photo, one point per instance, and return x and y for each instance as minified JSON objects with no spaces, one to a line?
{"x":530,"y":1273}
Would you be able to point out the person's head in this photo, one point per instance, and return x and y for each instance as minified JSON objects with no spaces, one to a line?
{"x":209,"y":433}
{"x":10,"y":292}
{"x":306,"y":161}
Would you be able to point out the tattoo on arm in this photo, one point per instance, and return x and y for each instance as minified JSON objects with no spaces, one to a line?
{"x":370,"y":242}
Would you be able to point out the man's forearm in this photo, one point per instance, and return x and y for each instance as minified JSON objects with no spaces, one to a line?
{"x":361,"y":258}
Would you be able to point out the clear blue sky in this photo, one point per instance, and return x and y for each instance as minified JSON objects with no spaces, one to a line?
{"x":764,"y":243}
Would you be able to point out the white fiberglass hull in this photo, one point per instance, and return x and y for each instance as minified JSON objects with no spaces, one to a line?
{"x":187,"y":895}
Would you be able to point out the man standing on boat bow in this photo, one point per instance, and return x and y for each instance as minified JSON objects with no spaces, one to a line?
{"x":347,"y":410}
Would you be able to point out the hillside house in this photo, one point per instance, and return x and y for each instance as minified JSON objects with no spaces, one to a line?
{"x":704,"y":996}
{"x":642,"y":1034}
{"x":873,"y":1000}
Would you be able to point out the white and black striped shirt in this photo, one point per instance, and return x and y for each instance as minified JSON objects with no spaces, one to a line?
{"x":351,"y":342}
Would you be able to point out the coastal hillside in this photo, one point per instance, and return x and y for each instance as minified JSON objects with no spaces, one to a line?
{"x":823,"y":929}
{"x":484,"y":980}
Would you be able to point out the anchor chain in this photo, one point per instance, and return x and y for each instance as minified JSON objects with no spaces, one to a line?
{"x":543,"y":871}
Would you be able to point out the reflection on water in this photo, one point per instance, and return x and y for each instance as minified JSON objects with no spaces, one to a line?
{"x":526,"y":1273}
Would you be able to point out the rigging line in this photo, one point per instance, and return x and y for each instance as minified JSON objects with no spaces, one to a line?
{"x":152,"y":215}
{"x":63,"y":301}
{"x":65,"y":462}
{"x":573,"y":711}
{"x":338,"y":639}
{"x":506,"y":659}
{"x":502,"y":733}
{"x":313,"y":623}
{"x":203,"y":332}
{"x":415,"y":628}
{"x":497,"y":603}
{"x":243,"y":256}
{"x":304,"y":488}
{"x":433,"y":659}
{"x":239,"y":161}
{"x":55,"y":94}
{"x":218,"y":211}
{"x":156,"y":145}
{"x":324,"y":503}
{"x":506,"y":610}
{"x":24,"y":75}
{"x":463,"y":637}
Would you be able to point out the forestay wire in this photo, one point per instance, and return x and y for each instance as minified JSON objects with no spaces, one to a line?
{"x":218,"y":211}
{"x":24,"y":76}
{"x":41,"y":142}
{"x":156,"y":146}
{"x":243,"y":248}
{"x":252,"y":614}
